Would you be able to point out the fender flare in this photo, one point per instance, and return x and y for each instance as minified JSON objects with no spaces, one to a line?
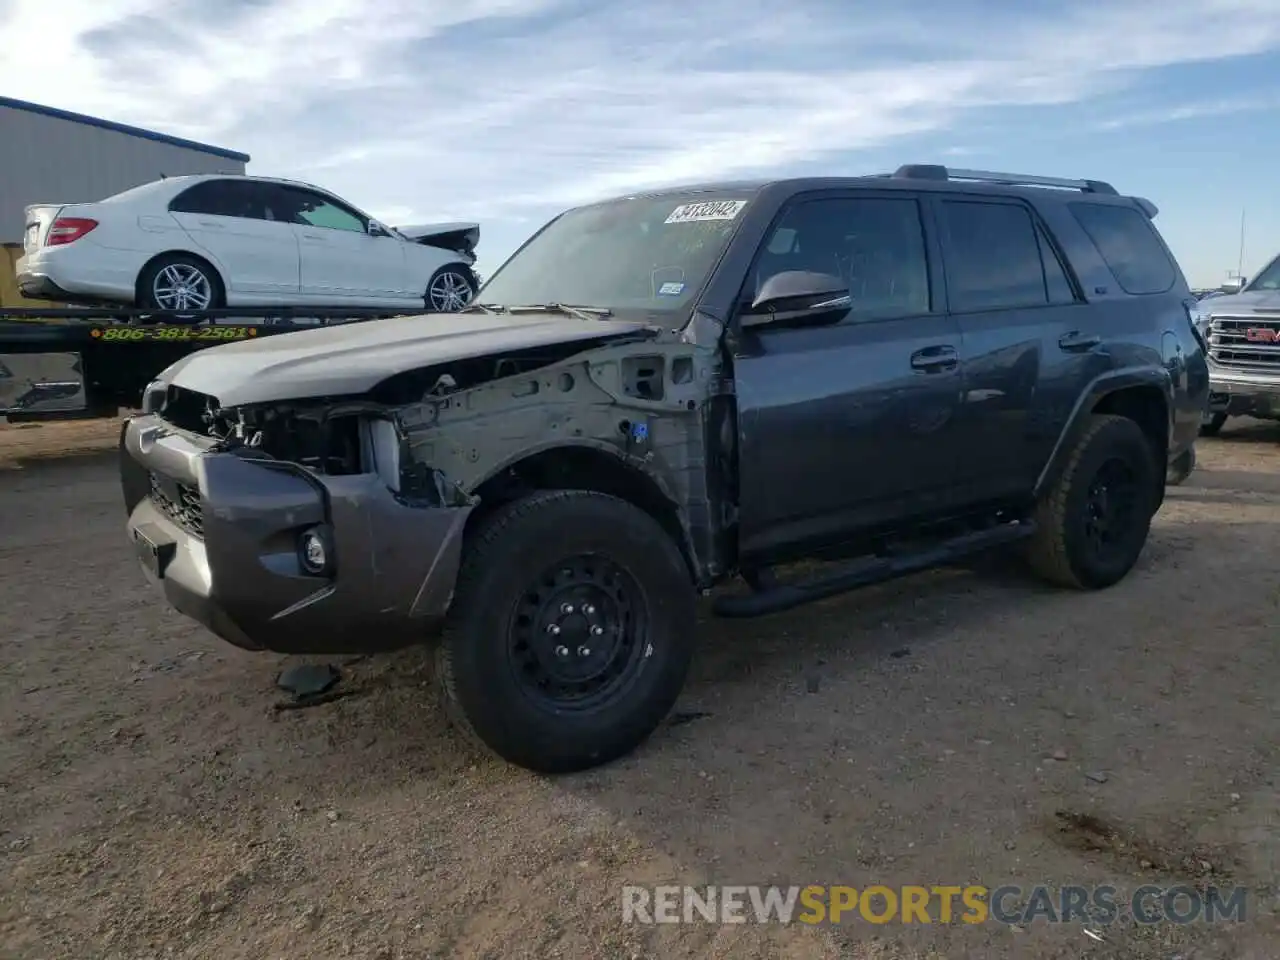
{"x":1093,"y":394}
{"x":685,"y":540}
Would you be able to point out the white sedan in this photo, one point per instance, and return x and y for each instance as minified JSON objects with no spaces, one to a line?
{"x":211,"y":241}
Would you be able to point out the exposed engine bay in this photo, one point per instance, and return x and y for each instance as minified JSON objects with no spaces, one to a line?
{"x":324,"y":435}
{"x":479,"y":429}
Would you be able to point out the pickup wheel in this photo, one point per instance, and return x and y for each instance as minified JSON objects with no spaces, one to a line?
{"x":571,"y":631}
{"x":1211,"y":425}
{"x":1093,"y":523}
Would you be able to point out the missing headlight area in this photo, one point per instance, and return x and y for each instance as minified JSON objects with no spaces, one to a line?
{"x":316,"y":439}
{"x":334,"y":439}
{"x":322,"y":440}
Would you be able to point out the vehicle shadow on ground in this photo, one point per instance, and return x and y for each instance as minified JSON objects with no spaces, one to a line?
{"x":1234,"y":481}
{"x":1248,"y":431}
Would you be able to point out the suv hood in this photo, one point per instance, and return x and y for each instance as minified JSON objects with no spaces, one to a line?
{"x":352,"y":358}
{"x":1262,"y":301}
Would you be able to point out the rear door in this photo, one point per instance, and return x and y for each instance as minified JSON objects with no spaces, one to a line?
{"x":849,"y":424}
{"x":229,"y":219}
{"x":341,"y":260}
{"x":1027,"y":335}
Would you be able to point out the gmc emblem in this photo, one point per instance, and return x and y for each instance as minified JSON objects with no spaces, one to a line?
{"x":1262,"y":335}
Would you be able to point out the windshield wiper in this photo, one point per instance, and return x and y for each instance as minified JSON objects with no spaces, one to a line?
{"x":582,"y":313}
{"x":485,"y":307}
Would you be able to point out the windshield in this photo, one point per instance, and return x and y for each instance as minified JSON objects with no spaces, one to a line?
{"x":1268,"y":278}
{"x":644,"y":254}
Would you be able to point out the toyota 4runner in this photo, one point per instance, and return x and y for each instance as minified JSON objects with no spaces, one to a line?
{"x":660,"y":392}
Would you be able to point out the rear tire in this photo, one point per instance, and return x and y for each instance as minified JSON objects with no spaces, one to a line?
{"x":1093,"y":523}
{"x":1213,"y":425}
{"x":570,"y":633}
{"x":450,"y":289}
{"x":162,"y":282}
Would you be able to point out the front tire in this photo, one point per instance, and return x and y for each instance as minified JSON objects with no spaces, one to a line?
{"x":571,"y":631}
{"x":450,"y":288}
{"x":1093,"y":524}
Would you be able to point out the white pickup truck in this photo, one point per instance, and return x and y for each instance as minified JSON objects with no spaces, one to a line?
{"x":1242,"y":331}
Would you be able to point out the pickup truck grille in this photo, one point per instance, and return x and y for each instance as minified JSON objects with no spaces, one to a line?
{"x":179,"y":502}
{"x":1245,"y":341}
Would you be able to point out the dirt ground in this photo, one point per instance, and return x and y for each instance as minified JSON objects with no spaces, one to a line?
{"x":36,"y":441}
{"x":154,"y":803}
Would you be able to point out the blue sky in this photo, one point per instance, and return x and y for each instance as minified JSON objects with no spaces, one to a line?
{"x":506,"y":111}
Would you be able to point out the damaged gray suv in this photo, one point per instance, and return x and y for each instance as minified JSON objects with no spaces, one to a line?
{"x":661,"y":392}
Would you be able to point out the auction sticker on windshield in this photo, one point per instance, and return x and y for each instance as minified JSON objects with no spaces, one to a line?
{"x":711,"y":210}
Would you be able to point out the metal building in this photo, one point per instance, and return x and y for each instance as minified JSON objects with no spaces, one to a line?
{"x":53,"y":156}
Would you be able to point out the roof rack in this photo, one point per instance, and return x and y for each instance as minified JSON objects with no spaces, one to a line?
{"x":931,"y":171}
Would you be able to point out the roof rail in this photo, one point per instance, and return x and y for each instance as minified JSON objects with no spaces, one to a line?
{"x":932,"y":171}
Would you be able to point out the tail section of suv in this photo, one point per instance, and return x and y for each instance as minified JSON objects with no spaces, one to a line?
{"x":1242,"y":331}
{"x":662,"y":392}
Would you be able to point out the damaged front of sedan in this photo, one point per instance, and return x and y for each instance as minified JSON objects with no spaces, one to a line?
{"x":538,"y":482}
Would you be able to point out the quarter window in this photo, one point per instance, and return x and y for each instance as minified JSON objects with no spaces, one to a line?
{"x":1129,"y":245}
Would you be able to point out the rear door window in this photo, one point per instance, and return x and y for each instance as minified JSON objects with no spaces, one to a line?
{"x":1128,"y":243}
{"x":1057,"y":283}
{"x":993,"y":257}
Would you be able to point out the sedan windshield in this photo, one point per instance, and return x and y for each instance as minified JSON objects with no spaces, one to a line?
{"x":647,"y":254}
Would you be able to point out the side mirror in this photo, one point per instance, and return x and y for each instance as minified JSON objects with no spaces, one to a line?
{"x":793,"y":294}
{"x":378,"y":230}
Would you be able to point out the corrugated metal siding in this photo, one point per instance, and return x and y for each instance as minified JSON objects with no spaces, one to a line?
{"x":48,"y":159}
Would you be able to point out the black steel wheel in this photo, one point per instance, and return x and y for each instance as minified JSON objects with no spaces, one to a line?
{"x":570,"y":633}
{"x":1110,"y":503}
{"x":1093,"y":523}
{"x":577,"y":635}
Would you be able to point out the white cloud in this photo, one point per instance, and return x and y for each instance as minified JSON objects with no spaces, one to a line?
{"x":1194,"y":110}
{"x":455,"y":109}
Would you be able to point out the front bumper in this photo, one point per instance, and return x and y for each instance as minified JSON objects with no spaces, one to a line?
{"x":218,"y":533}
{"x":1244,"y":392}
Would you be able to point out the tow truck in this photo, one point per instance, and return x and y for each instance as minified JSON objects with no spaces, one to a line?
{"x":63,"y":363}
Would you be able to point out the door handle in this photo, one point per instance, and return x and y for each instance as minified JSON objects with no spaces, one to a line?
{"x":212,"y":224}
{"x":1075,"y":340}
{"x":934,"y":359}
